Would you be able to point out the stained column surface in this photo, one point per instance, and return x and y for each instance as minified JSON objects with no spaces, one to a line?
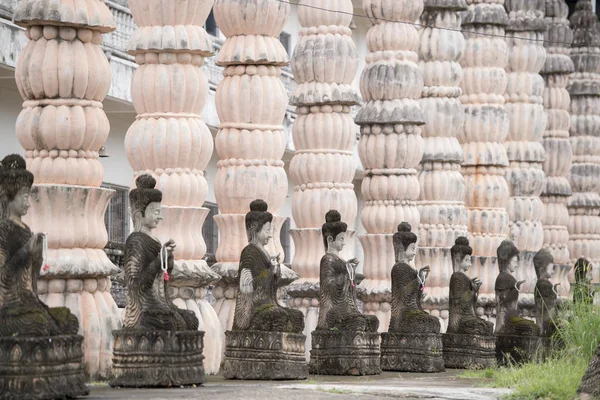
{"x":170,"y":141}
{"x":441,"y":202}
{"x":63,"y":77}
{"x":324,"y":63}
{"x":485,"y":131}
{"x":391,"y":146}
{"x":557,"y":146}
{"x":584,"y":175}
{"x":251,"y":101}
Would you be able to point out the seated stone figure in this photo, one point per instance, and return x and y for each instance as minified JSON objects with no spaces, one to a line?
{"x":257,"y":307}
{"x":508,"y":320}
{"x":260,"y":324}
{"x":463,"y":294}
{"x":407,"y":286}
{"x":159,"y":345}
{"x":147,"y":265}
{"x":545,"y":293}
{"x":341,"y":326}
{"x":26,"y":322}
{"x":338,"y":309}
{"x":413,"y":342}
{"x":582,"y":288}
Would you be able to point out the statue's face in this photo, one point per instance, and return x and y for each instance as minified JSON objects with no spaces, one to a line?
{"x":465,"y":264}
{"x":20,"y":204}
{"x":338,"y":243}
{"x":513,"y":264}
{"x":410,"y":251}
{"x":152,"y":215}
{"x":265,"y":234}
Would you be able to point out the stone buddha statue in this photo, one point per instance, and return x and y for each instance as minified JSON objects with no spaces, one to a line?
{"x":463,"y":294}
{"x":257,"y":307}
{"x":338,"y":281}
{"x":508,"y":320}
{"x":582,"y":288}
{"x":22,"y":253}
{"x":147,"y":264}
{"x":407,"y":315}
{"x":545,"y":292}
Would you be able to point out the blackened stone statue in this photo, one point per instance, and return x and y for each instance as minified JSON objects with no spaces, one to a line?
{"x":545,"y":293}
{"x":345,"y":342}
{"x":41,"y":354}
{"x":159,"y":345}
{"x":468,"y":341}
{"x":516,"y":337}
{"x":582,"y":288}
{"x":266,"y":341}
{"x":413,"y":343}
{"x":589,"y":387}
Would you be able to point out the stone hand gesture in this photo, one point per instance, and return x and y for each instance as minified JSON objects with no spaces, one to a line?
{"x":518,"y":285}
{"x":423,"y":273}
{"x":476,"y":283}
{"x":353,"y":262}
{"x":554,"y":288}
{"x":169,"y":246}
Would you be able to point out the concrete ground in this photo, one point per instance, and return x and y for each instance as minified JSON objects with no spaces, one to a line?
{"x":388,"y":385}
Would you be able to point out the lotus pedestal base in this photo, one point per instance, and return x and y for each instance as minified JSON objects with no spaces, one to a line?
{"x":345,"y":353}
{"x":411,"y":352}
{"x":157,"y":358}
{"x":39,"y":368}
{"x":262,"y":355}
{"x":469,"y":351}
{"x":520,"y":349}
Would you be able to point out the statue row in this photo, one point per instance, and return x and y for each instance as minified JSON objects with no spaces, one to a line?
{"x":160,"y":345}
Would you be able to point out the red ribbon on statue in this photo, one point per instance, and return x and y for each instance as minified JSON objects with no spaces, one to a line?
{"x":46,"y":268}
{"x":166,"y":276}
{"x":423,"y":288}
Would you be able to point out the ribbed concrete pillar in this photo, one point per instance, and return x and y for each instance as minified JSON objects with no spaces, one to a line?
{"x":524,"y":102}
{"x":324,"y":64}
{"x":251,"y":101}
{"x":63,"y":77}
{"x":442,"y":200}
{"x":556,"y":141}
{"x":391,"y":145}
{"x":584,"y":176}
{"x":485,"y":130}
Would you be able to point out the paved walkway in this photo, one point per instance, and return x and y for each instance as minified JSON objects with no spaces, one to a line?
{"x":388,"y":385}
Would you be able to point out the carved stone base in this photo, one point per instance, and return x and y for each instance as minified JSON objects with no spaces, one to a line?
{"x":411,"y":352}
{"x":263,"y":355}
{"x":42,"y":367}
{"x":469,"y":351}
{"x":157,"y":358}
{"x":345,"y":353}
{"x":520,"y":349}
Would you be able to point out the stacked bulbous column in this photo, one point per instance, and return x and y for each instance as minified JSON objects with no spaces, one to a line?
{"x":251,"y":101}
{"x":524,"y":103}
{"x":391,"y":145}
{"x":324,"y":64}
{"x":557,"y":146}
{"x":584,"y":176}
{"x":170,"y":141}
{"x":63,"y":76}
{"x":485,"y":130}
{"x":441,"y":206}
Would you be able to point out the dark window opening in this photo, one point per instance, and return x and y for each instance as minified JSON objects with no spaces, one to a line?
{"x":116,"y":217}
{"x":210,"y":232}
{"x":284,"y":238}
{"x":211,"y":25}
{"x":286,"y":41}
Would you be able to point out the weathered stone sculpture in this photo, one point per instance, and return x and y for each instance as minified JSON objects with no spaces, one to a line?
{"x":584,"y":89}
{"x":63,"y":76}
{"x":345,"y":342}
{"x":590,"y":383}
{"x":559,"y":154}
{"x":170,"y":140}
{"x":41,"y":356}
{"x":413,"y":343}
{"x":442,"y":200}
{"x":517,"y":337}
{"x":390,"y":146}
{"x":582,"y":288}
{"x":159,"y":345}
{"x":468,"y":341}
{"x":545,"y":293}
{"x":524,"y":97}
{"x":251,"y":102}
{"x":324,"y":64}
{"x":266,"y":341}
{"x":485,"y":130}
